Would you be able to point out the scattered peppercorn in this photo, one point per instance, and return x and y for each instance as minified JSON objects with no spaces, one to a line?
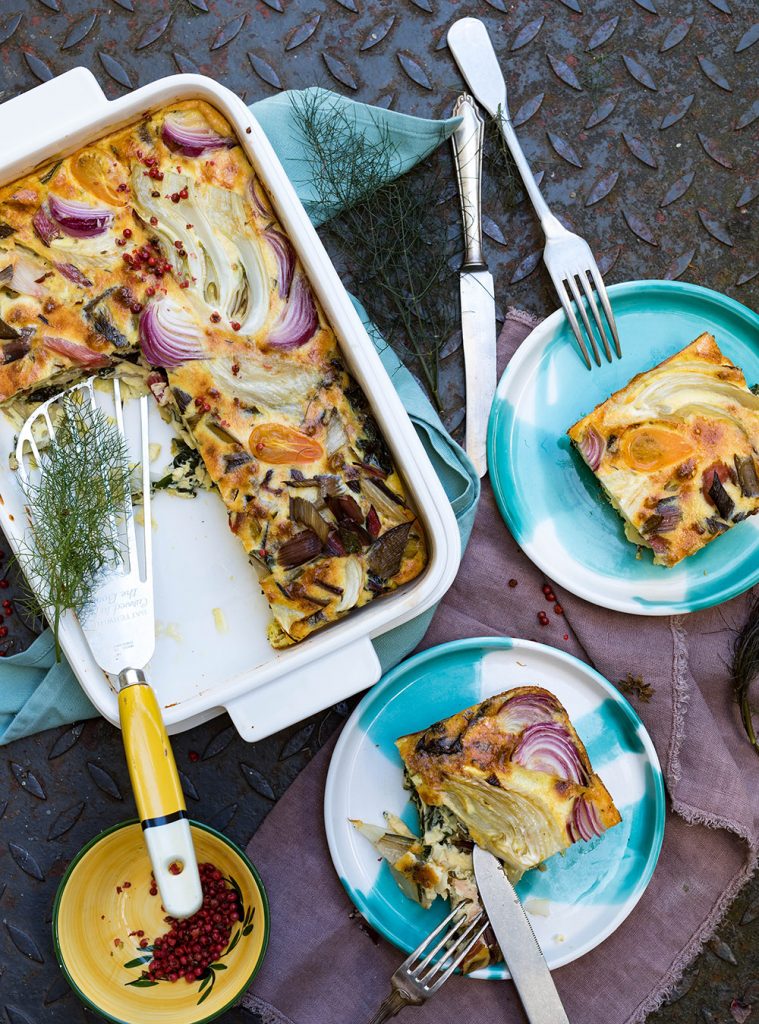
{"x":175,"y":197}
{"x":4,"y":584}
{"x":194,"y":756}
{"x":542,"y":618}
{"x":558,"y":609}
{"x":183,"y":193}
{"x":513,"y":583}
{"x":127,"y":232}
{"x":215,"y":318}
{"x":235,"y":325}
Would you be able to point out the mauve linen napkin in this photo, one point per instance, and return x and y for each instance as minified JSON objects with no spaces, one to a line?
{"x":325,"y":967}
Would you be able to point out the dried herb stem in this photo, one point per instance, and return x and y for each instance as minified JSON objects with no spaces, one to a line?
{"x":386,"y":229}
{"x":745,"y":669}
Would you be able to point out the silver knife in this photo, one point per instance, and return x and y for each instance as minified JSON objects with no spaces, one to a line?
{"x":524,"y":957}
{"x":476,"y":285}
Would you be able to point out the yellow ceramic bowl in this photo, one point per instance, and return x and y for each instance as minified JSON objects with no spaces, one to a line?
{"x":94,"y":914}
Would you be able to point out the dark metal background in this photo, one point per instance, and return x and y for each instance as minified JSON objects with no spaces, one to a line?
{"x":643,"y":116}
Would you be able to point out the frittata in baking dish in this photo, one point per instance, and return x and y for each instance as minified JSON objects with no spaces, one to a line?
{"x":510,"y":774}
{"x":155,"y":254}
{"x":677,"y":451}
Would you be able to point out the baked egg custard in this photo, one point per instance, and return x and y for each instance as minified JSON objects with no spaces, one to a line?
{"x":155,"y":254}
{"x":510,"y":774}
{"x":677,"y":451}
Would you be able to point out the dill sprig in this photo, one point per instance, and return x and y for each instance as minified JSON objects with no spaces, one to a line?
{"x":75,"y":500}
{"x":387,"y":231}
{"x":745,"y":669}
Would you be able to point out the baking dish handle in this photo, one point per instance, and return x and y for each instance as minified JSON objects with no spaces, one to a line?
{"x":310,"y":688}
{"x":64,"y":102}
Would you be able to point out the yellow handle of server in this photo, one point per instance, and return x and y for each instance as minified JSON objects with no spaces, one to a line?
{"x":152,"y":768}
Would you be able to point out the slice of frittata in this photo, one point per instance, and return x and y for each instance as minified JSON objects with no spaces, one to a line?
{"x":510,"y":774}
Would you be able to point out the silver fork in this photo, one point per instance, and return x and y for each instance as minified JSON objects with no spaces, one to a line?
{"x":567,"y":257}
{"x":421,"y":975}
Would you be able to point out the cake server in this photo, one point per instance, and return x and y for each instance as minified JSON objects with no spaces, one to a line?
{"x":120,"y":629}
{"x":475,"y":284}
{"x":567,"y":256}
{"x":524,"y":957}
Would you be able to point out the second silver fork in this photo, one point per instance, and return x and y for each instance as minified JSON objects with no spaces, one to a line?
{"x":567,"y":256}
{"x":421,"y":975}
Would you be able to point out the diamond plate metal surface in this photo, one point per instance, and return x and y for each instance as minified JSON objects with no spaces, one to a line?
{"x":641,"y":117}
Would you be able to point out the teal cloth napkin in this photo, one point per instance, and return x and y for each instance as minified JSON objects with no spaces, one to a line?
{"x":36,"y":692}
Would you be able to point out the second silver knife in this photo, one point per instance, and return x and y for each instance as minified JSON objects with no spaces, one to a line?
{"x":516,"y":938}
{"x":475,"y":285}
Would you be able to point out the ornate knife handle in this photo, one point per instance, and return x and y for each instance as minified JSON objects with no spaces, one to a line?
{"x":467,"y":148}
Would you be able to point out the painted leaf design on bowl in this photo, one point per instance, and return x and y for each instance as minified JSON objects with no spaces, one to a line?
{"x":207,"y":980}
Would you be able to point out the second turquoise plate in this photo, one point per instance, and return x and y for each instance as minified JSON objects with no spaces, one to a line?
{"x":583,"y":895}
{"x":551,"y":501}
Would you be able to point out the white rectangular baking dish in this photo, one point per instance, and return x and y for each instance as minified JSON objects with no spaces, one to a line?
{"x":205,"y":661}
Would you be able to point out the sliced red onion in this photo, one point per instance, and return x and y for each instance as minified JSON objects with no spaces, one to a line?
{"x":585,"y":822}
{"x":27,"y":276}
{"x":73,"y":274}
{"x":159,"y":387}
{"x":592,"y":448}
{"x":168,"y":334}
{"x":285,"y":254}
{"x":260,"y":207}
{"x":670,"y":514}
{"x":299,"y":549}
{"x":658,"y":544}
{"x":546,"y":747}
{"x":80,"y":220}
{"x":192,"y":139}
{"x":298,"y":321}
{"x":526,"y":709}
{"x":78,"y":354}
{"x":25,"y":196}
{"x":44,"y":228}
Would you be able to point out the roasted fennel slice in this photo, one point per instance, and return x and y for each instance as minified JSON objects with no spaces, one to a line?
{"x":510,"y":774}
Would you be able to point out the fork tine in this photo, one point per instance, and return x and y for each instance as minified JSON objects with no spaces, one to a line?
{"x":594,"y":310}
{"x":586,"y":323}
{"x":446,"y":921}
{"x":567,"y":306}
{"x":438,"y":982}
{"x":425,"y":974}
{"x":147,"y":542}
{"x":444,"y":942}
{"x":128,"y":508}
{"x":601,"y":289}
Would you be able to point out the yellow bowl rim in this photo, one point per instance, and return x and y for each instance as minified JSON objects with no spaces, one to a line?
{"x":135,"y":821}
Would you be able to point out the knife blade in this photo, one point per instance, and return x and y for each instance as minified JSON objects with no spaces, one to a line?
{"x":524,"y":957}
{"x":475,"y":285}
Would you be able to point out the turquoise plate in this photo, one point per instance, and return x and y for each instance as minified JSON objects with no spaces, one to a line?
{"x":583,"y":895}
{"x":551,"y":501}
